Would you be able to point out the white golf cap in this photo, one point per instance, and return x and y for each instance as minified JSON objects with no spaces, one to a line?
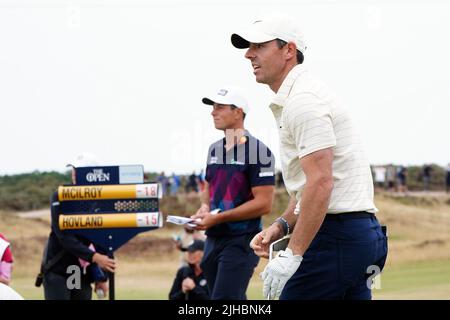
{"x":267,"y":29}
{"x":85,"y":159}
{"x":228,"y":95}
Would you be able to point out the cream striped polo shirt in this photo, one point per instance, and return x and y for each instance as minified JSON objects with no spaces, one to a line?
{"x":310,"y":119}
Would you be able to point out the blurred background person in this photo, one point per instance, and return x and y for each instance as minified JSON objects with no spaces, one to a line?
{"x":401,"y":179}
{"x":192,"y":183}
{"x":426,"y":176}
{"x":64,"y":250}
{"x":162,"y":179}
{"x":201,"y":180}
{"x":6,"y":260}
{"x":390,"y":177}
{"x":279,"y":180}
{"x":447,"y":182}
{"x":189,"y":283}
{"x":380,"y":177}
{"x":175,"y":183}
{"x":184,"y":239}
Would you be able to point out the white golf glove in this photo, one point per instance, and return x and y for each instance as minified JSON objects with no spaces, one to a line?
{"x":278,"y":271}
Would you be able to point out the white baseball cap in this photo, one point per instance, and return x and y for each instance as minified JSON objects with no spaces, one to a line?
{"x":84,"y":159}
{"x":228,"y":95}
{"x":267,"y":29}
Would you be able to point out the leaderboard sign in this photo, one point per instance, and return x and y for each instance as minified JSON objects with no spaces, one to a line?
{"x":110,"y":175}
{"x":112,"y":213}
{"x":99,"y":192}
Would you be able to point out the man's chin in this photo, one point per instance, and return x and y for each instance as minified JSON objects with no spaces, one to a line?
{"x":259,"y":80}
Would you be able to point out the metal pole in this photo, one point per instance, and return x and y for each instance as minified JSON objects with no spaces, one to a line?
{"x":111,"y":281}
{"x":111,"y":274}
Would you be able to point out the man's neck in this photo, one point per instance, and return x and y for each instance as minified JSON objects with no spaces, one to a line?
{"x":233,"y":136}
{"x":275,"y":86}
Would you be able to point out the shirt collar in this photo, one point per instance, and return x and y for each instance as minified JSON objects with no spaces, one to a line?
{"x":279,"y":101}
{"x":242,"y":141}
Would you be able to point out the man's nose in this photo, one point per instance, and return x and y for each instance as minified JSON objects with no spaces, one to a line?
{"x":249,"y":54}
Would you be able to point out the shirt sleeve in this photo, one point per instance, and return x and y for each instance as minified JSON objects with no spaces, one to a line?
{"x":262,"y":171}
{"x":7,"y":256}
{"x":5,"y":270}
{"x":308,"y":119}
{"x":176,"y":293}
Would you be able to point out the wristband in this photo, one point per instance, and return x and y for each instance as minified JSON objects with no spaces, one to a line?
{"x":284,"y":224}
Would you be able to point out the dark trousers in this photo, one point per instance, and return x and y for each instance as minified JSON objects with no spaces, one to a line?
{"x":55,"y":288}
{"x":340,"y":262}
{"x":228,"y":264}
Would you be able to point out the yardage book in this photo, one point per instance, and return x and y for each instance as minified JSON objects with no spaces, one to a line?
{"x":179,"y":220}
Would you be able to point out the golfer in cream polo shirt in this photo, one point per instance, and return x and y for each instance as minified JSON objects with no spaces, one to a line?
{"x":336,"y":241}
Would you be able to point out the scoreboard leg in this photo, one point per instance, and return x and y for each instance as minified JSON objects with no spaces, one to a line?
{"x":111,"y":281}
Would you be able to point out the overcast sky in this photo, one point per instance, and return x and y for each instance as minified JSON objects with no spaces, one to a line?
{"x":124,"y":79}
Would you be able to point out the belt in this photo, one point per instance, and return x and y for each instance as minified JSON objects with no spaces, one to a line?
{"x":349,"y":215}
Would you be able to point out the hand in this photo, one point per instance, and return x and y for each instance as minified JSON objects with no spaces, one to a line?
{"x":278,"y":271}
{"x":206,"y":221}
{"x":261,"y":242}
{"x":102,"y":285}
{"x":104,"y":262}
{"x":187,"y":285}
{"x":201,"y":212}
{"x":4,"y":280}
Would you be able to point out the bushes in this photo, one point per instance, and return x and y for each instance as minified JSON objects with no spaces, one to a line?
{"x":32,"y":191}
{"x":29,"y":191}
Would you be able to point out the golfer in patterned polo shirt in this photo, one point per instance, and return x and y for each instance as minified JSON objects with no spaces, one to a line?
{"x":240,"y":185}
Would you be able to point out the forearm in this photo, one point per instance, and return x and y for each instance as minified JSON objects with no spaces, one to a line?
{"x":252,"y":209}
{"x":71,"y":244}
{"x":313,"y":208}
{"x":204,"y":195}
{"x":289,"y":214}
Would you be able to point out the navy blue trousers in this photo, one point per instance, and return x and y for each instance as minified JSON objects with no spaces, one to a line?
{"x":228,"y":264}
{"x":340,"y":262}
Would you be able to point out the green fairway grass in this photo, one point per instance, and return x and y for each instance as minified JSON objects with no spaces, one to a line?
{"x":421,"y":280}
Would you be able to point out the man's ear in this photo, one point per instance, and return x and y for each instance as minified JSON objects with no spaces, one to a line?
{"x":291,"y":50}
{"x":239,"y":111}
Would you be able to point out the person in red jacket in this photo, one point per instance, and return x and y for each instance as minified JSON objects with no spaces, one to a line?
{"x":6,"y":260}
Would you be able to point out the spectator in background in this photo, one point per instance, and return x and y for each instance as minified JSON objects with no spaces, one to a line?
{"x":66,"y":249}
{"x":183,"y":240}
{"x":426,"y":175}
{"x":380,"y":177}
{"x":190,"y":284}
{"x":174,"y":184}
{"x":390,"y":177}
{"x":192,"y":183}
{"x":279,"y":180}
{"x":168,"y":185}
{"x":447,"y":182}
{"x":201,"y":181}
{"x":6,"y":260}
{"x":401,"y":178}
{"x":163,"y":181}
